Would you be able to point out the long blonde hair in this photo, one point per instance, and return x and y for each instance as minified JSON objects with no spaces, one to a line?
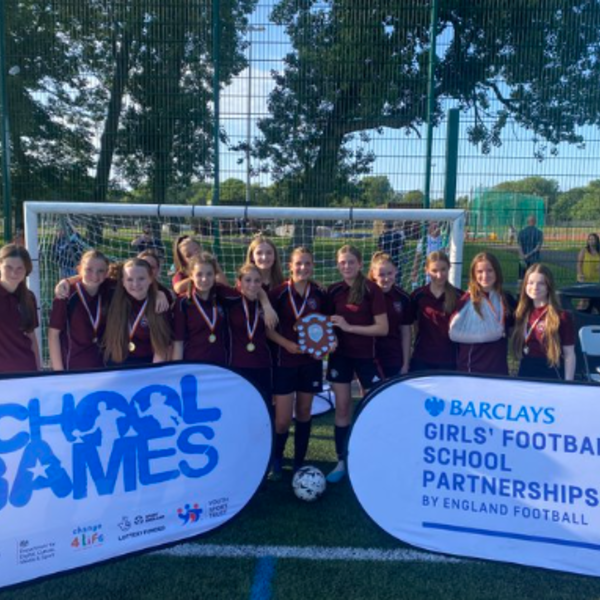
{"x":181,"y":265}
{"x":116,"y":335}
{"x":552,"y":319}
{"x":25,"y":299}
{"x":475,"y":290}
{"x":450,"y":295}
{"x":276,"y":274}
{"x":359,"y":287}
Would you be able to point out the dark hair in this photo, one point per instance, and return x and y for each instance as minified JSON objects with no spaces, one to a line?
{"x":596,"y":245}
{"x":25,"y":298}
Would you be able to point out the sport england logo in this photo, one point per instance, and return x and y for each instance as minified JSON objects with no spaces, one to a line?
{"x":190,"y":514}
{"x":434,"y":406}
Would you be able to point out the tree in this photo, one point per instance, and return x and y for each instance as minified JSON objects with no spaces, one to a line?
{"x":358,"y":66}
{"x":377,"y":191}
{"x":47,"y":95}
{"x":168,"y":127}
{"x":587,"y":208}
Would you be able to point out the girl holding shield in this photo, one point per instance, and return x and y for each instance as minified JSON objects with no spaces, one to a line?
{"x":297,"y":376}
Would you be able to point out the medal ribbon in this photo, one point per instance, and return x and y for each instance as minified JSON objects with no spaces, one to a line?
{"x":298,"y":313}
{"x":211,"y":324}
{"x":251,"y":330}
{"x":95,"y":321}
{"x":138,"y":320}
{"x":529,"y":330}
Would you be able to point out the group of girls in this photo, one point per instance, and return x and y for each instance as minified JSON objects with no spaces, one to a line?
{"x":123,"y":316}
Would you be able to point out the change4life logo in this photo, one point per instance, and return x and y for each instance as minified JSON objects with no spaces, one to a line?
{"x":190,"y":513}
{"x":89,"y":536}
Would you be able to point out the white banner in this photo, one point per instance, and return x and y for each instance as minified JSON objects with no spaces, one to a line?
{"x":493,"y":468}
{"x":95,"y":465}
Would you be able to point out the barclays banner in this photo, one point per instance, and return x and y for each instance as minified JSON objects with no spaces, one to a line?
{"x":499,"y":469}
{"x":95,"y":465}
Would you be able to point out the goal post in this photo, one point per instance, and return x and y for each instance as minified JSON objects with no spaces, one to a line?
{"x":56,"y":233}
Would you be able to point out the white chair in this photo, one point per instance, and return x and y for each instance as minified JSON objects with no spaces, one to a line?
{"x":589,"y":340}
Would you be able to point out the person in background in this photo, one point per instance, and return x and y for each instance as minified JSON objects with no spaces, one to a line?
{"x":19,"y":351}
{"x":544,"y":336}
{"x":432,"y":242}
{"x":391,"y":242}
{"x":530,"y":241}
{"x":147,"y":241}
{"x":588,"y":261}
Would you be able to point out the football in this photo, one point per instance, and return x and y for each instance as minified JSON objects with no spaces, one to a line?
{"x":309,"y":484}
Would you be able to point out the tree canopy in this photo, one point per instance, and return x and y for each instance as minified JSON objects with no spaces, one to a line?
{"x":358,"y":66}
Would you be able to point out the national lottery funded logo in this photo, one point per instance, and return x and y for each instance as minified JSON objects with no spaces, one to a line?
{"x":500,"y":411}
{"x":140,"y":525}
{"x":109,"y":439}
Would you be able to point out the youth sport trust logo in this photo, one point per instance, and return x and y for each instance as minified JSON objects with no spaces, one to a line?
{"x":190,"y":514}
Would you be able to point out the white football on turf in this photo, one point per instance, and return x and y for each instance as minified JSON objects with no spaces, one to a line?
{"x":309,"y":484}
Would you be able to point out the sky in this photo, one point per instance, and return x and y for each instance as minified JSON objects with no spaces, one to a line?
{"x":400,"y":157}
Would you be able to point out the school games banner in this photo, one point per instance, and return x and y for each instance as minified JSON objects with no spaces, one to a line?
{"x":500,"y":469}
{"x":100,"y":464}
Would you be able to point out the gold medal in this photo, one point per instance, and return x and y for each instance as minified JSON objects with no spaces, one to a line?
{"x":212,"y":338}
{"x":131,"y":347}
{"x":250,"y":347}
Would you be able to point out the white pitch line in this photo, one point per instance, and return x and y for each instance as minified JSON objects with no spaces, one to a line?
{"x":305,"y":552}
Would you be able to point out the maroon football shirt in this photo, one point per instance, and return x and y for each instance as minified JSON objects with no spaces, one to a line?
{"x":388,"y":349}
{"x":16,"y":351}
{"x":352,"y":345}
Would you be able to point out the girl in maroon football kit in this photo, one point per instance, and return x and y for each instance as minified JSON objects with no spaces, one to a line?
{"x":185,"y":248}
{"x":262,"y":252}
{"x":77,"y":321}
{"x":19,"y":350}
{"x":297,"y":377}
{"x":393,"y":350}
{"x":249,"y":353}
{"x":359,"y":314}
{"x":135,"y":333}
{"x":432,"y":306}
{"x":199,"y":317}
{"x":154,"y":259}
{"x":485,"y":284}
{"x":544,"y":335}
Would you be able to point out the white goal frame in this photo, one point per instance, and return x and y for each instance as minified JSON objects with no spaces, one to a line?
{"x":33,"y":210}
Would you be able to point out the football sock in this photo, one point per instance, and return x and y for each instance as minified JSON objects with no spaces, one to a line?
{"x":341,"y":440}
{"x":280,"y":441}
{"x":301,"y":440}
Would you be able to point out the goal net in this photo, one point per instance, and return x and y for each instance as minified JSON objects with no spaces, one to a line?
{"x":58,"y":233}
